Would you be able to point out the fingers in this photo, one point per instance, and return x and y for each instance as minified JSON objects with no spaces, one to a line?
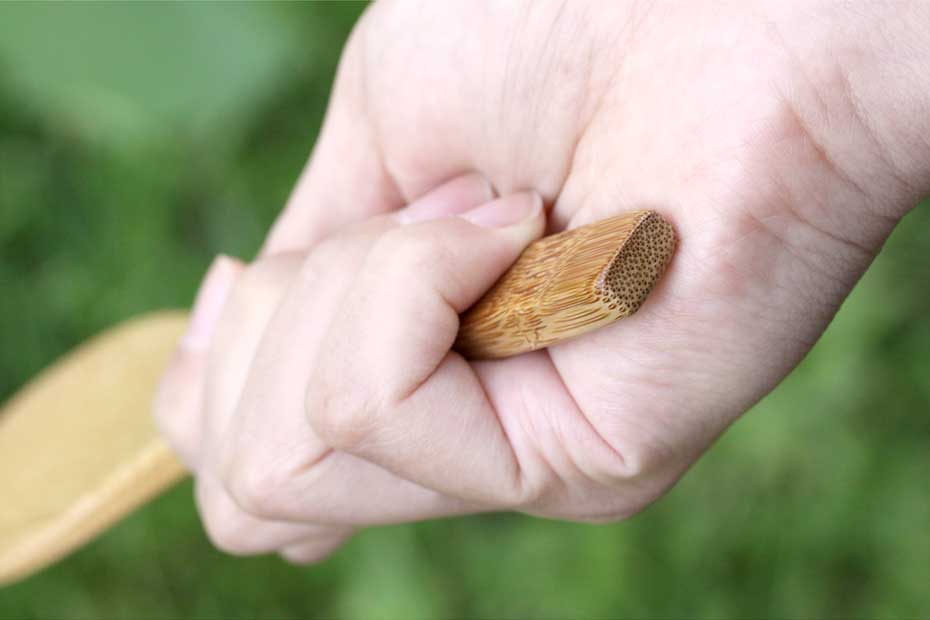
{"x":338,"y":489}
{"x":265,"y":479}
{"x":237,"y":532}
{"x":179,"y":398}
{"x":274,"y":466}
{"x":260,"y":462}
{"x":405,"y":302}
{"x":180,"y":410}
{"x":456,"y":196}
{"x":236,"y":337}
{"x":386,"y":387}
{"x":250,"y":305}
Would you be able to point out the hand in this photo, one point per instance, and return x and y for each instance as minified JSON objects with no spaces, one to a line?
{"x":382,"y":296}
{"x":783,"y":142}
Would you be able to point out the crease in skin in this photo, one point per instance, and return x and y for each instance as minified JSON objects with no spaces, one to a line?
{"x":505,"y":175}
{"x":575,"y":410}
{"x":621,"y":43}
{"x":838,"y":81}
{"x":519,"y":480}
{"x":400,"y":198}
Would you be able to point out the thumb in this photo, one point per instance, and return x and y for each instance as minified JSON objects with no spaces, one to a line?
{"x":404,"y":306}
{"x":386,"y":371}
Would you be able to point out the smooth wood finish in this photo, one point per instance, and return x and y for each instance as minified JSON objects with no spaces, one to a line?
{"x":568,"y":284}
{"x":79,"y":449}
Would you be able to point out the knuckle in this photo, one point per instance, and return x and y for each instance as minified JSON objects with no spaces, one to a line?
{"x":606,"y":486}
{"x":525,"y":493}
{"x":401,"y":252}
{"x":341,"y":418}
{"x":638,"y":466}
{"x":633,"y":480}
{"x":647,"y":456}
{"x":256,"y":488}
{"x":227,"y":536}
{"x":228,"y":531}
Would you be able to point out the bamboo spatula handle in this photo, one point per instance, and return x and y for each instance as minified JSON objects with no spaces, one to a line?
{"x":567,"y":284}
{"x":78,"y":448}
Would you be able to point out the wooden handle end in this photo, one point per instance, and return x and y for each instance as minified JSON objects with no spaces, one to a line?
{"x":568,"y":284}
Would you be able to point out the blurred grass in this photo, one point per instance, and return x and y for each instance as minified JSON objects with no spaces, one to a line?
{"x":138,"y":141}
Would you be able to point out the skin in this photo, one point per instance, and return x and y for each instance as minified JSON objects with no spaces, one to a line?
{"x":784,"y":141}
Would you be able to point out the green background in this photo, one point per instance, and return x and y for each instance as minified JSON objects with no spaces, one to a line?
{"x":138,"y":141}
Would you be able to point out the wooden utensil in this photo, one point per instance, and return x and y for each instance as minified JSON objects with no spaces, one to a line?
{"x":79,"y":450}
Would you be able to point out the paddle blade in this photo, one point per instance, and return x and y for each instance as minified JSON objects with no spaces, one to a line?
{"x":78,"y":447}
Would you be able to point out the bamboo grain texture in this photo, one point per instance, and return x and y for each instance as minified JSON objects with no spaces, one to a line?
{"x":79,"y":449}
{"x":568,"y":284}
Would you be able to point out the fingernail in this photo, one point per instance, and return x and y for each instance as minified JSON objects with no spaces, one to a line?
{"x":451,"y":198}
{"x":210,"y":301}
{"x":506,"y":211}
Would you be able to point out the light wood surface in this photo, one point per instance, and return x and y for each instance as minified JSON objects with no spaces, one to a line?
{"x":79,"y":449}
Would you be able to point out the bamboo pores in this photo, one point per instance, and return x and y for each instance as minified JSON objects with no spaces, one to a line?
{"x":568,"y":284}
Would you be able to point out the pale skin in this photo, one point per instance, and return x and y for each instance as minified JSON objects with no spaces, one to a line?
{"x":317,"y":393}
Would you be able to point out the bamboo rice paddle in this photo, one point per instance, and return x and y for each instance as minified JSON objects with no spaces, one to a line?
{"x":79,"y":450}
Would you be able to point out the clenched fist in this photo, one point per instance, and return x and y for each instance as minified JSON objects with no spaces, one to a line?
{"x":317,"y":391}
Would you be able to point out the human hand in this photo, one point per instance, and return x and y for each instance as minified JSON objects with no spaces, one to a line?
{"x":784,"y":142}
{"x":384,"y":297}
